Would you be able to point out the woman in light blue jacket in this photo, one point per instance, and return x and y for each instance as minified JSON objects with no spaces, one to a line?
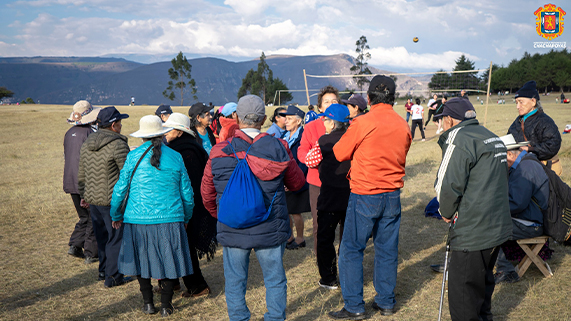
{"x":160,"y":204}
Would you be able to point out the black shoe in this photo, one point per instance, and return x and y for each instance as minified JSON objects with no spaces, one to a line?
{"x":76,"y":251}
{"x":89,"y":260}
{"x":294,"y":246}
{"x":122,"y":281}
{"x":346,"y":315}
{"x":437,"y":268}
{"x":390,"y":311}
{"x":329,"y":285}
{"x":506,"y":277}
{"x":101,"y":276}
{"x":165,"y":312}
{"x":149,"y":308}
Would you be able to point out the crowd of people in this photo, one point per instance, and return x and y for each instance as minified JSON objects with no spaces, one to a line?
{"x":197,"y":182}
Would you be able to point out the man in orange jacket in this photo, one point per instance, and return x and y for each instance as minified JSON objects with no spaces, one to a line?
{"x":377,"y":144}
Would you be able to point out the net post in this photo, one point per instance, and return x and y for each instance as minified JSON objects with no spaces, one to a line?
{"x":488,"y":94}
{"x":306,"y":90}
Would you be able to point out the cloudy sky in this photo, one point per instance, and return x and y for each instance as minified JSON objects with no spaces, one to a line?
{"x":484,"y":30}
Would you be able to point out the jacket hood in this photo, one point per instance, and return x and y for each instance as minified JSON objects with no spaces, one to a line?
{"x":102,"y":138}
{"x":225,"y":122}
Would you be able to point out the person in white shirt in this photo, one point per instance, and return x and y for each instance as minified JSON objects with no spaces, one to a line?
{"x":417,"y":112}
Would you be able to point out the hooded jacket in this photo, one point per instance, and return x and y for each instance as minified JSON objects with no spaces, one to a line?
{"x":540,"y":130}
{"x":101,"y":158}
{"x":229,"y":126}
{"x":272,"y":163}
{"x":529,"y":188}
{"x":72,"y":142}
{"x":472,"y":187}
{"x":156,"y":196}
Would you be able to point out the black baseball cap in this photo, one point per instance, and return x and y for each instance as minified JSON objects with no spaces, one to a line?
{"x":381,"y":83}
{"x":109,"y":115}
{"x":197,"y":109}
{"x":457,"y":108}
{"x":163,"y":110}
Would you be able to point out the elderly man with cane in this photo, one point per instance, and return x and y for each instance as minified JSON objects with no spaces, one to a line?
{"x":472,"y":188}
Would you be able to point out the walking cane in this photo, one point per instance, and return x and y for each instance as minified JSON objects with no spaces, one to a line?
{"x":443,"y":281}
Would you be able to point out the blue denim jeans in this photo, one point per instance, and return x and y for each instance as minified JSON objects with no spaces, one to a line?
{"x":380,"y":216}
{"x":236,"y":263}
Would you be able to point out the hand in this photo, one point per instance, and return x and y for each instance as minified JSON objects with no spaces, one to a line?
{"x":286,"y":189}
{"x":185,"y":226}
{"x":116,"y":224}
{"x":447,"y":220}
{"x":83,"y":203}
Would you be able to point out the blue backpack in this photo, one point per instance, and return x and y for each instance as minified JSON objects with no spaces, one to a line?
{"x":242,"y":202}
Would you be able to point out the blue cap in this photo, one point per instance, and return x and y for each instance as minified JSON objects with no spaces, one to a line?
{"x":109,"y":115}
{"x":163,"y":110}
{"x":337,"y":112}
{"x":228,"y":109}
{"x":292,"y":110}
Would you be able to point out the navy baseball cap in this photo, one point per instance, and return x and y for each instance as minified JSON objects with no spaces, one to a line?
{"x":356,"y":100}
{"x":163,"y":110}
{"x":337,"y":112}
{"x":109,"y":115}
{"x":292,"y":110}
{"x":457,"y":108}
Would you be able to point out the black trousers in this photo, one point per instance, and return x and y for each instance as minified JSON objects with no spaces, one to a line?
{"x":108,"y":243}
{"x":82,"y":235}
{"x":430,"y":114}
{"x":195,"y":282}
{"x":471,"y":284}
{"x":326,"y":256}
{"x":417,"y":122}
{"x":167,"y":292}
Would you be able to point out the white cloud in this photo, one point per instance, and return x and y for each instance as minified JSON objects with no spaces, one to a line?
{"x":401,"y":57}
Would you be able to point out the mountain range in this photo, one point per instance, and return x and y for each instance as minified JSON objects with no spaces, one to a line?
{"x":109,"y":81}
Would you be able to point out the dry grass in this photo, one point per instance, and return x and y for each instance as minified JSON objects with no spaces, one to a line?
{"x":40,"y":281}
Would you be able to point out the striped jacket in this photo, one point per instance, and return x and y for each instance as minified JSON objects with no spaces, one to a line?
{"x":472,"y":187}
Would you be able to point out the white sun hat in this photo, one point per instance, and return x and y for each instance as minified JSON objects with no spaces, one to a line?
{"x":179,"y":121}
{"x":151,"y":126}
{"x":83,"y":113}
{"x":510,"y":142}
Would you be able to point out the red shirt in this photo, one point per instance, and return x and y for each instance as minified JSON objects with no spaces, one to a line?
{"x":311,"y":133}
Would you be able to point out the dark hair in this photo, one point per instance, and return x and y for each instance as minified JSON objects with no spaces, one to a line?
{"x":326,"y":90}
{"x":310,"y":107}
{"x":194,"y":120}
{"x":156,"y":158}
{"x":276,"y":112}
{"x":417,"y":101}
{"x":337,"y":125}
{"x":381,"y":97}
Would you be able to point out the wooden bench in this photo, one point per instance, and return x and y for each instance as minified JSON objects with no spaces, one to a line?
{"x":531,"y":247}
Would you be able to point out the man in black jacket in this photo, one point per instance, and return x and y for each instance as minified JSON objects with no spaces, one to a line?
{"x":529,"y":195}
{"x":535,"y":126}
{"x":472,"y":188}
{"x":82,"y":242}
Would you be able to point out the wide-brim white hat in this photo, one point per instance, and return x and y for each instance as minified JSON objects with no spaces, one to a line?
{"x":510,"y":142}
{"x":179,"y":121}
{"x":83,"y":113}
{"x":151,"y":126}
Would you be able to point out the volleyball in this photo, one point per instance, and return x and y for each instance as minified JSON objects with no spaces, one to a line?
{"x":415,"y":39}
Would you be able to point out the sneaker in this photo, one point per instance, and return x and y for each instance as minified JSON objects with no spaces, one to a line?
{"x":343,"y":314}
{"x":437,"y":268}
{"x":506,"y":277}
{"x":423,"y":140}
{"x":329,"y":286}
{"x":76,"y":251}
{"x":294,"y":245}
{"x":89,"y":260}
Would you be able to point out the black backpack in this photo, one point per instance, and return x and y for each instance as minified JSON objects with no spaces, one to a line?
{"x":557,"y":217}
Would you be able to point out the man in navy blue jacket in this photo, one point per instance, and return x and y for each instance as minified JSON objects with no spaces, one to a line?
{"x":529,"y":195}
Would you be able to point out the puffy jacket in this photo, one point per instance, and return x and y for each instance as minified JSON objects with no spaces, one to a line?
{"x":311,"y":134}
{"x":156,"y":196}
{"x":472,"y":184}
{"x":229,"y":126}
{"x":542,"y":133}
{"x":72,"y":142}
{"x":102,"y":157}
{"x":529,"y":188}
{"x":377,"y":144}
{"x":272,"y":163}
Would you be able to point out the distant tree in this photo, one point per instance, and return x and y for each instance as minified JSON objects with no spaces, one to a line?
{"x":464,"y":80}
{"x":485,"y":75}
{"x":261,"y":82}
{"x":180,"y":79}
{"x":4,"y":92}
{"x":440,"y":81}
{"x":27,"y":101}
{"x":361,"y":66}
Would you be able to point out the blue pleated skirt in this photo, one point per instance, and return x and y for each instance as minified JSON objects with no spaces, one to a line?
{"x":158,"y":251}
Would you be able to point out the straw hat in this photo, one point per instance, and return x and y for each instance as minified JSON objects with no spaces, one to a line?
{"x":83,"y":113}
{"x":510,"y":142}
{"x":179,"y":121}
{"x":151,"y":126}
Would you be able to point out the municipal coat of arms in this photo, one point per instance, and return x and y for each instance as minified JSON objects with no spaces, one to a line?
{"x":549,"y":22}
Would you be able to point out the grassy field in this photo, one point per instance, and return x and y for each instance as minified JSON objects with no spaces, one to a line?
{"x":39,"y":281}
